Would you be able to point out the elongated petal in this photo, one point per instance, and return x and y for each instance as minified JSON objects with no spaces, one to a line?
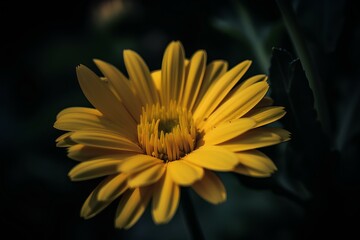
{"x":84,"y":110}
{"x":65,"y":140}
{"x":228,"y":130}
{"x":104,"y":139}
{"x":184,"y":173}
{"x":213,"y":71}
{"x":257,"y":138}
{"x":266,"y":115}
{"x":210,"y":188}
{"x":194,"y":79}
{"x":75,"y":121}
{"x":113,"y":187}
{"x":156,"y":77}
{"x":213,"y":158}
{"x":132,"y":205}
{"x":218,"y":90}
{"x":238,"y":104}
{"x":138,"y":162}
{"x":252,"y":80}
{"x":172,"y":73}
{"x":94,"y":169}
{"x":247,"y":171}
{"x":81,"y":152}
{"x":139,"y":73}
{"x":147,"y":176}
{"x":102,"y":98}
{"x":256,"y":160}
{"x":165,"y":200}
{"x":121,"y":86}
{"x":92,"y":205}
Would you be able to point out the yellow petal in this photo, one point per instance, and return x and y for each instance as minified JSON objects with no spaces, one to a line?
{"x":138,"y":162}
{"x":140,"y":75}
{"x":102,"y":98}
{"x":75,"y":121}
{"x":172,"y":73}
{"x":228,"y":130}
{"x":194,"y":79}
{"x":147,"y":176}
{"x":94,"y":169}
{"x":156,"y":77}
{"x":113,"y":187}
{"x":252,"y":80}
{"x":65,"y":140}
{"x":238,"y":104}
{"x":256,"y":160}
{"x":241,"y":169}
{"x":257,"y":138}
{"x":81,"y":152}
{"x":165,"y":200}
{"x":121,"y":86}
{"x":132,"y":205}
{"x":213,"y":158}
{"x":266,"y":115}
{"x":105,"y":139}
{"x":213,"y":71}
{"x":90,"y":111}
{"x":184,"y":173}
{"x":92,"y":206}
{"x":210,"y":188}
{"x":218,"y":90}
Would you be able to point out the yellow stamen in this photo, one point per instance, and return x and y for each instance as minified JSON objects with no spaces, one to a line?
{"x":166,"y":133}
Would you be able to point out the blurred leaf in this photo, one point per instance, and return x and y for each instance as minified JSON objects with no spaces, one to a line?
{"x":330,"y":18}
{"x":290,"y":89}
{"x":304,"y":155}
{"x":254,"y":36}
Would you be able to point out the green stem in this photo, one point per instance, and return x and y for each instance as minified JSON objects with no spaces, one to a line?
{"x":190,"y":216}
{"x":312,"y":75}
{"x":252,"y":36}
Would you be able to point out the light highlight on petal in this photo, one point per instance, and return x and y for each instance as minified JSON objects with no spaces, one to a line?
{"x":184,"y":173}
{"x":238,"y":104}
{"x":218,"y":90}
{"x":93,"y":169}
{"x":107,"y":140}
{"x":213,"y":158}
{"x":172,"y":73}
{"x":266,"y":115}
{"x":228,"y":130}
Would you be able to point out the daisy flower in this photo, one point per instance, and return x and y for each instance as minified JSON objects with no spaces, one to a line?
{"x":151,"y":133}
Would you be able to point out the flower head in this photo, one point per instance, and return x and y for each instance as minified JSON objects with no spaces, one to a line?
{"x":152,"y":132}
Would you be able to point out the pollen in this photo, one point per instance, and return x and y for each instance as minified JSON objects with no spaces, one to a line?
{"x":166,"y":133}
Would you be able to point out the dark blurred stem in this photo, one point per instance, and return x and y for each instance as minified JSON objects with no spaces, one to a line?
{"x":252,"y":36}
{"x":312,"y":75}
{"x":190,"y":216}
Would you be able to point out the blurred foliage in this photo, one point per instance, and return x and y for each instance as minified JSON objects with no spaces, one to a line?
{"x":315,"y":193}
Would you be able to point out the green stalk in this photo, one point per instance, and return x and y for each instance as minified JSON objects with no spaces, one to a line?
{"x":190,"y":216}
{"x":312,"y":75}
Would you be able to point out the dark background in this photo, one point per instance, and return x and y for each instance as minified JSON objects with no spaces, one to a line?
{"x":315,"y":192}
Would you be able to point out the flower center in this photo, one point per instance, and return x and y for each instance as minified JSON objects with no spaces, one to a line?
{"x":166,"y":133}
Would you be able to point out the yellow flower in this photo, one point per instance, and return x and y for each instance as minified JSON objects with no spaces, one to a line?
{"x":153,"y":132}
